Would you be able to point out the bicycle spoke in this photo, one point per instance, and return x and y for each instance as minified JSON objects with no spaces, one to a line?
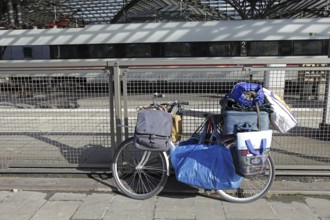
{"x":251,"y":188}
{"x":139,"y":174}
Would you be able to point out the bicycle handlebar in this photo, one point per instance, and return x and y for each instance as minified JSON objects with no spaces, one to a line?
{"x":159,"y":95}
{"x":176,"y":102}
{"x":175,"y":105}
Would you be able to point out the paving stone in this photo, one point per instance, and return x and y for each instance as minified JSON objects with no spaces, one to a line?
{"x":320,"y":206}
{"x":4,"y":195}
{"x":259,"y":209}
{"x":94,"y":207}
{"x":189,"y":207}
{"x":55,"y":210}
{"x":293,"y":210}
{"x":68,"y":197}
{"x":123,"y":208}
{"x":180,"y":207}
{"x":21,"y":205}
{"x":209,"y":208}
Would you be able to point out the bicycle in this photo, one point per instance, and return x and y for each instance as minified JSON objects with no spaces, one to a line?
{"x":143,"y":174}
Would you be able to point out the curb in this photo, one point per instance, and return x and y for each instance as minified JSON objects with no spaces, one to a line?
{"x":98,"y":184}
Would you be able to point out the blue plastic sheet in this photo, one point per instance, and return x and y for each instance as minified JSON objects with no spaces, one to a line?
{"x":205,"y":166}
{"x":238,"y":93}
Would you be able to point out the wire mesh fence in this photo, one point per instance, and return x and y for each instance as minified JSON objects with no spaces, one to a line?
{"x":64,"y":119}
{"x":60,"y":120}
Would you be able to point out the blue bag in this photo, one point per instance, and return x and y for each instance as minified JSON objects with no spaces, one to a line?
{"x":247,"y":94}
{"x":208,"y":166}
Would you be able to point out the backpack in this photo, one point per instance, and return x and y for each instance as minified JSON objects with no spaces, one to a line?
{"x":247,"y":94}
{"x":153,"y":130}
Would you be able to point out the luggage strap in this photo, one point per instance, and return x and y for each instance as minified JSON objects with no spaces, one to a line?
{"x":250,"y":95}
{"x":261,"y":149}
{"x":258,"y":113}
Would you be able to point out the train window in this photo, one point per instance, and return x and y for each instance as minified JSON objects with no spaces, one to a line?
{"x":82,"y":52}
{"x":120,"y":50}
{"x":11,"y":53}
{"x":199,"y":49}
{"x":177,"y":49}
{"x":68,"y":52}
{"x":27,"y":52}
{"x":63,"y":52}
{"x":2,"y":52}
{"x":138,"y":50}
{"x":263,"y":48}
{"x":157,"y":50}
{"x":223,"y":49}
{"x":101,"y":51}
{"x":285,"y":48}
{"x":325,"y":47}
{"x":308,"y":47}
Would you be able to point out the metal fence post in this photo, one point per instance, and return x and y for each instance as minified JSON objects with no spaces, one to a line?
{"x":275,"y":79}
{"x":111,"y":108}
{"x":325,"y":125}
{"x":118,"y":112}
{"x":125,"y":97}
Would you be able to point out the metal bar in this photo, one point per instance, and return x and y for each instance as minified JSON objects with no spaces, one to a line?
{"x":326,"y":108}
{"x":11,"y":19}
{"x":162,"y":62}
{"x":102,"y":170}
{"x":19,"y":14}
{"x":111,"y":110}
{"x":302,"y":167}
{"x":55,"y":170}
{"x":125,"y":104}
{"x":118,"y":107}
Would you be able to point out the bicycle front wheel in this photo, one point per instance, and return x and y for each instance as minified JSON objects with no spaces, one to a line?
{"x":251,"y":188}
{"x":139,"y":174}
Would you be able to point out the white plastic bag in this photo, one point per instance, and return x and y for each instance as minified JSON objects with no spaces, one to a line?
{"x":282,"y":119}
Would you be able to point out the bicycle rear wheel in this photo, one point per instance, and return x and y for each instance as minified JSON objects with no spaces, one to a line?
{"x":251,"y":188}
{"x":139,"y":174}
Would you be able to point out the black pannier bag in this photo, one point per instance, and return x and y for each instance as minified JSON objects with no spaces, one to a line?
{"x":153,"y":130}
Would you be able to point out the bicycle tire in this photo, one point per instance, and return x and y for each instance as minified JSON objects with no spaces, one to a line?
{"x":139,"y":181}
{"x":251,"y":188}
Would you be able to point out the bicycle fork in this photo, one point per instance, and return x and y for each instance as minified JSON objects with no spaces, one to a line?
{"x":145,"y":158}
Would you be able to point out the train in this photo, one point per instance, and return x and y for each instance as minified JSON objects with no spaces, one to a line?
{"x":235,"y":38}
{"x":79,"y":55}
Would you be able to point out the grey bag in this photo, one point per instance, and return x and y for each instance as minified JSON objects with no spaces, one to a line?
{"x":236,"y":121}
{"x":153,"y":130}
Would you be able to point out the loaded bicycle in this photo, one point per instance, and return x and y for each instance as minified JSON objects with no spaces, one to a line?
{"x":142,"y":174}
